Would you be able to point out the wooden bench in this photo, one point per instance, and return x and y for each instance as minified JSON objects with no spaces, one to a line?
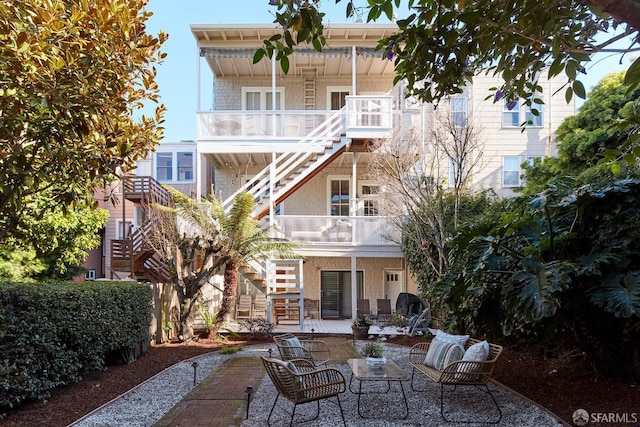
{"x":459,"y":373}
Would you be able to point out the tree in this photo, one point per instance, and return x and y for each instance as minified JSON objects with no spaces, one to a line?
{"x":441,"y":44}
{"x":243,"y":240}
{"x":51,"y":243}
{"x":197,"y":238}
{"x":415,"y":173}
{"x":587,"y":138}
{"x":186,"y":237}
{"x":73,"y":75}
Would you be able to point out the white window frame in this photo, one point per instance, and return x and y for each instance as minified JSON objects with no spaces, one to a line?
{"x":536,"y":121}
{"x":465,"y":109}
{"x":331,"y":89}
{"x":530,"y":159}
{"x":330,"y":179}
{"x":263,"y":90}
{"x":504,"y":171}
{"x":368,"y":197}
{"x":175,"y":178}
{"x":128,"y":228}
{"x":513,"y":112}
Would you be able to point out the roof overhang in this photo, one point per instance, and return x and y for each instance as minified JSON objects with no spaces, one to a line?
{"x":229,"y":50}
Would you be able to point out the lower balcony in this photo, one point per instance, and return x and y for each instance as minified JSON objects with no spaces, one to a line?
{"x":344,"y":230}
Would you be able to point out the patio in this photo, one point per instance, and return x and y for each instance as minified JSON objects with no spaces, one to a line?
{"x":219,"y":399}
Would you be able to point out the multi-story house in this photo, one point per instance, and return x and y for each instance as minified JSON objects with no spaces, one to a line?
{"x":299,"y":142}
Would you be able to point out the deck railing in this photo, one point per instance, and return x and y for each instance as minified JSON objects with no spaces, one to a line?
{"x":370,"y":116}
{"x":356,"y":230}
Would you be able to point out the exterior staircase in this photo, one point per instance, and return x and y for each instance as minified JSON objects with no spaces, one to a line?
{"x":131,"y":255}
{"x":292,"y":169}
{"x":272,"y":185}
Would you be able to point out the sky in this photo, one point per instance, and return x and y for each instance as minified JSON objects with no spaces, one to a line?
{"x":177,"y":75}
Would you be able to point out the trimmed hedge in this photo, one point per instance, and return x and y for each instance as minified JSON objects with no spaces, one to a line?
{"x":53,"y":333}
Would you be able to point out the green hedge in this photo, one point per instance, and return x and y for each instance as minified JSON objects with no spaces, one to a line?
{"x":53,"y":333}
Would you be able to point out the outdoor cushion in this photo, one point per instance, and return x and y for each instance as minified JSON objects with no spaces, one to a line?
{"x":297,"y":350}
{"x":442,"y":353}
{"x":455,"y":339}
{"x":478,"y":352}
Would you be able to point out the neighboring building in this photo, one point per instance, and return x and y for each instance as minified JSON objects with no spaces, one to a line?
{"x":299,"y":143}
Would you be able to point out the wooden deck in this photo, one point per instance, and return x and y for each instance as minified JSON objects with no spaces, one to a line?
{"x":338,"y":327}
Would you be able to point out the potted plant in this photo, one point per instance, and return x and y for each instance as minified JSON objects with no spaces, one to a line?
{"x":373,"y":353}
{"x":360,"y":327}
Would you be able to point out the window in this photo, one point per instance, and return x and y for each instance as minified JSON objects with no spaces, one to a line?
{"x":339,"y":194}
{"x":179,"y":165}
{"x":164,"y":162}
{"x":90,"y":274}
{"x":369,"y":194}
{"x":185,"y":166}
{"x":510,"y":171}
{"x":128,"y":227}
{"x":338,"y":100}
{"x":532,"y":118}
{"x":260,"y":98}
{"x":458,"y":108}
{"x":531,"y":160}
{"x":511,"y":113}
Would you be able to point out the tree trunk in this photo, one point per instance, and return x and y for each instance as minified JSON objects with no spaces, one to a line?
{"x":228,"y":294}
{"x":185,"y":327}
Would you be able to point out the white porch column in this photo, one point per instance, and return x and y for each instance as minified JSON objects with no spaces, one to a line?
{"x":198,"y":81}
{"x":273,"y":96}
{"x":353,"y":71}
{"x":272,"y":176}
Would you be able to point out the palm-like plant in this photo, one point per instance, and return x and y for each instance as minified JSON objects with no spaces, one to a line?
{"x":243,"y":240}
{"x":196,"y":238}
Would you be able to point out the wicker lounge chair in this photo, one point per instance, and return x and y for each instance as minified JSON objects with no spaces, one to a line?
{"x":458,"y":373}
{"x":300,"y":382}
{"x":291,"y":347}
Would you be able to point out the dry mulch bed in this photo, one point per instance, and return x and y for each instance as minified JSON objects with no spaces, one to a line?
{"x":559,"y":384}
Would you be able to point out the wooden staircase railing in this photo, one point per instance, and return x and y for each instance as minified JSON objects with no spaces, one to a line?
{"x":131,"y":255}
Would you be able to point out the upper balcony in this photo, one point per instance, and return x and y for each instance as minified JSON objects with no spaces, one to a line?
{"x":363,"y":117}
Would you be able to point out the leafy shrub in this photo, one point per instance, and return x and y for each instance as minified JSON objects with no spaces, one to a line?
{"x":564,"y":263}
{"x":53,"y":333}
{"x":230,"y":349}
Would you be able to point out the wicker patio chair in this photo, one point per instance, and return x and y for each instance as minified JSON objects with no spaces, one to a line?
{"x":292,"y":347}
{"x":459,"y":373}
{"x":299,"y":381}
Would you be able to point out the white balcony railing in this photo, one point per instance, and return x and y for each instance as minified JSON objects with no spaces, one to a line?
{"x":356,"y":230}
{"x":368,"y":116}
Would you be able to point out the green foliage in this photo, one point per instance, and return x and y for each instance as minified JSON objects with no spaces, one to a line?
{"x":53,"y":333}
{"x":373,"y":349}
{"x":559,"y":263}
{"x":73,"y":79}
{"x":230,"y":349}
{"x":19,"y":264}
{"x":440,"y":45}
{"x":51,"y":242}
{"x":361,"y":321}
{"x":592,"y":136}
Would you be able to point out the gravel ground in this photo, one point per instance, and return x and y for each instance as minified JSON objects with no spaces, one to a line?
{"x":147,"y":403}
